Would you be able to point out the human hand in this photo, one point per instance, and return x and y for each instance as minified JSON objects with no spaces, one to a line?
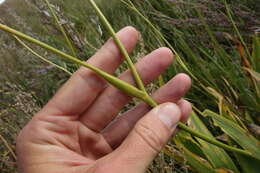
{"x":78,"y":131}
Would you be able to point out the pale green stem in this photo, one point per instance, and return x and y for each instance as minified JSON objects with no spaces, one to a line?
{"x":41,"y":57}
{"x":135,"y":74}
{"x":214,"y":142}
{"x":204,"y":137}
{"x":61,"y":29}
{"x":121,"y":85}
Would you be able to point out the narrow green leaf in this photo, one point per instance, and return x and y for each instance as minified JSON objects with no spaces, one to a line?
{"x":196,"y":162}
{"x":238,"y":134}
{"x":213,"y":141}
{"x":231,"y":18}
{"x":189,"y":143}
{"x":217,"y":156}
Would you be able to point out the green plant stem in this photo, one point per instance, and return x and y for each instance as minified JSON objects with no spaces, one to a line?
{"x":203,"y":137}
{"x":61,"y":29}
{"x":135,"y":74}
{"x":41,"y":57}
{"x":213,"y":141}
{"x":121,"y":85}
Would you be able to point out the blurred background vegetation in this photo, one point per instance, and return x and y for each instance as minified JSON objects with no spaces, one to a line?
{"x":215,"y":42}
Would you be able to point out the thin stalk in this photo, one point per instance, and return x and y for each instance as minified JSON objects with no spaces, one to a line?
{"x":61,"y":29}
{"x":121,"y":47}
{"x":41,"y":57}
{"x":213,"y":141}
{"x":204,"y":137}
{"x":121,"y":85}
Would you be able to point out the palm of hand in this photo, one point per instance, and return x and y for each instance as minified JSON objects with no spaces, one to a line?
{"x":74,"y":133}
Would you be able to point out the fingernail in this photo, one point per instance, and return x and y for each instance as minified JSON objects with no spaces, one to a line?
{"x":169,"y":114}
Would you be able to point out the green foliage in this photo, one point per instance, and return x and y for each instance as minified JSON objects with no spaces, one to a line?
{"x":216,"y":156}
{"x":238,"y":134}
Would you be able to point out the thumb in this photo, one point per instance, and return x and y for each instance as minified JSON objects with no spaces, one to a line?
{"x":148,"y":137}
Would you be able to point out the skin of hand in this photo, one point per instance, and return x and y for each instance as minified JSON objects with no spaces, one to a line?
{"x":78,"y":131}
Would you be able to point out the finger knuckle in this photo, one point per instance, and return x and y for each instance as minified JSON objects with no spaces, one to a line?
{"x":149,"y":136}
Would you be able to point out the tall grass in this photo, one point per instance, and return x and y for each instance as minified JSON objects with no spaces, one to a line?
{"x":225,"y":89}
{"x":218,"y":71}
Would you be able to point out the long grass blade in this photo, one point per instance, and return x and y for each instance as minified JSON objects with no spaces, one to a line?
{"x":217,"y":156}
{"x":229,"y":13}
{"x":41,"y":57}
{"x":242,"y":137}
{"x":213,"y":141}
{"x":197,"y":162}
{"x":70,"y":46}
